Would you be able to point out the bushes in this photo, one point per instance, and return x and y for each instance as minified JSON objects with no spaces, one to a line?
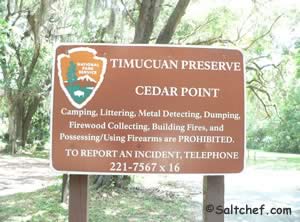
{"x":287,"y":132}
{"x":38,"y":134}
{"x":280,"y":133}
{"x":40,"y":128}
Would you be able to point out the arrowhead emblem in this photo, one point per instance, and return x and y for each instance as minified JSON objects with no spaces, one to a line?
{"x":81,"y":73}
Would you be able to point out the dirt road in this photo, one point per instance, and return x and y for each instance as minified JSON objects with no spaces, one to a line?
{"x":24,"y":174}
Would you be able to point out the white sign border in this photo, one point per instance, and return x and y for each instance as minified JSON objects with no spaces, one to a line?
{"x":77,"y":45}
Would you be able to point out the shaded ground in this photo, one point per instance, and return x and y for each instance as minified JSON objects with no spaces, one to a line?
{"x":24,"y":174}
{"x":271,"y":179}
{"x":254,"y":187}
{"x":187,"y":186}
{"x":275,"y":187}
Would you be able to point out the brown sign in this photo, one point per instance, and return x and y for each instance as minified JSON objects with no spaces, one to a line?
{"x":147,"y":109}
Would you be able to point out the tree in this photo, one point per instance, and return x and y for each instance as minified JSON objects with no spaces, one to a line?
{"x":148,"y":13}
{"x":24,"y":65}
{"x":279,"y":132}
{"x":140,"y":19}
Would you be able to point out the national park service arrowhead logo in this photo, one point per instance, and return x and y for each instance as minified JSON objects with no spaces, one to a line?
{"x":81,"y":73}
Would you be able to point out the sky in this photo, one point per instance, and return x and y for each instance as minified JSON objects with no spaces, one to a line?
{"x":284,"y":33}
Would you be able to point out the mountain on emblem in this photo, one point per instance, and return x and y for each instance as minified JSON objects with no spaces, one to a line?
{"x":81,"y":73}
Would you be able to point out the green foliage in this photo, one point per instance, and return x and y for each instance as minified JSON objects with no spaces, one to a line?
{"x":4,"y":30}
{"x":297,"y":59}
{"x":2,"y":8}
{"x":222,"y":18}
{"x":40,"y":129}
{"x":256,"y":138}
{"x":287,"y":132}
{"x":281,"y":132}
{"x":205,"y":29}
{"x":41,"y":75}
{"x":24,"y":75}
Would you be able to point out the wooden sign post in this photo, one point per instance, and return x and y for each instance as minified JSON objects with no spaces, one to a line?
{"x":213,"y":196}
{"x":128,"y":109}
{"x":78,"y":200}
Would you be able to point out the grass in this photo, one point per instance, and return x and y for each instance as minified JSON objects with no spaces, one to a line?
{"x":274,"y":161}
{"x":38,"y":206}
{"x":42,"y":154}
{"x":136,"y":205}
{"x":118,"y":206}
{"x":33,"y":153}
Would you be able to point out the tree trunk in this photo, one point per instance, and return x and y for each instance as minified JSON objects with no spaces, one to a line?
{"x":20,"y":121}
{"x":104,"y":181}
{"x":11,"y":146}
{"x":168,"y":31}
{"x":148,"y":13}
{"x":64,"y":188}
{"x":31,"y":110}
{"x":15,"y":125}
{"x":145,"y":23}
{"x":87,"y":14}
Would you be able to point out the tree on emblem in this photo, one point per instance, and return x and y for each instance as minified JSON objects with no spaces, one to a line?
{"x":72,"y":73}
